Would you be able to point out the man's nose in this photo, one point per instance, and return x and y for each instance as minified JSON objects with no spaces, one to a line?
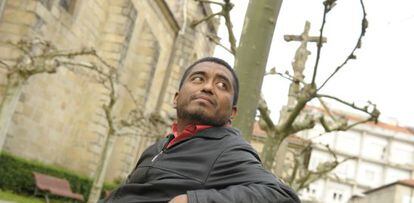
{"x":208,"y":87}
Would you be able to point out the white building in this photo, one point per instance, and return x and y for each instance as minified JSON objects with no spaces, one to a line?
{"x":397,"y":192}
{"x":384,"y":153}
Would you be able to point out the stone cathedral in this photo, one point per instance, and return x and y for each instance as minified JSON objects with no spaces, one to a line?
{"x":58,"y":119}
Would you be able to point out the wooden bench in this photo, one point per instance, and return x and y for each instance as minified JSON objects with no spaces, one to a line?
{"x":55,"y":186}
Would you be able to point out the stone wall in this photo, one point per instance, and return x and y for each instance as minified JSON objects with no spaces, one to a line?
{"x":59,"y":118}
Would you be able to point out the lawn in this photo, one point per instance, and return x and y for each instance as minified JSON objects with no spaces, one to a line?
{"x":16,"y":198}
{"x":13,"y":197}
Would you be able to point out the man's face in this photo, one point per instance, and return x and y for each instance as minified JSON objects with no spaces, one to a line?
{"x":206,"y":96}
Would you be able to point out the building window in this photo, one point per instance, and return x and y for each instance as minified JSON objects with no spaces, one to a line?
{"x":68,"y":5}
{"x":337,"y":197}
{"x":407,"y":199}
{"x":394,"y":174}
{"x":402,"y":156}
{"x":311,"y":191}
{"x":370,"y":174}
{"x":348,"y":142}
{"x":326,"y":139}
{"x":317,"y":158}
{"x":346,"y":169}
{"x":374,"y":148}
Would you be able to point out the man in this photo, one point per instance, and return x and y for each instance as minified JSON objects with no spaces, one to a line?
{"x":204,"y":159}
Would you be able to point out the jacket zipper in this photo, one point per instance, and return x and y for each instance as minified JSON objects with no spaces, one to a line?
{"x":156,"y":156}
{"x":169,"y":138}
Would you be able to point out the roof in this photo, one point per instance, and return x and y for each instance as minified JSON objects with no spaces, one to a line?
{"x":407,"y":182}
{"x":357,"y":118}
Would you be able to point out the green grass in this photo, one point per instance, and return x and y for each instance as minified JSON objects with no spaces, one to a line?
{"x":17,"y":198}
{"x":13,"y":197}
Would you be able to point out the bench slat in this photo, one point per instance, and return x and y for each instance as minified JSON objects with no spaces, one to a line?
{"x":55,"y":186}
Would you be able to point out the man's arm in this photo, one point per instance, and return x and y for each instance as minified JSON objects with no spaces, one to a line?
{"x":238,"y":176}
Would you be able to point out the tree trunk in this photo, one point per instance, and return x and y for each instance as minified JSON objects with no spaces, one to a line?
{"x":99,"y":179}
{"x":270,"y":149}
{"x":251,"y":59}
{"x":9,"y":103}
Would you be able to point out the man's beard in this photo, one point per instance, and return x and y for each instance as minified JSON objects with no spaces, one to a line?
{"x":198,"y":117}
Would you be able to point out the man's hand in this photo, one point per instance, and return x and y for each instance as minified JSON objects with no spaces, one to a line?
{"x":179,"y":199}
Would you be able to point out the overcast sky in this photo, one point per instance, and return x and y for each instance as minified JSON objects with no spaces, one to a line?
{"x":384,"y":69}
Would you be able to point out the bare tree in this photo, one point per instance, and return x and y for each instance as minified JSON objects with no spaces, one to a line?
{"x":39,"y":56}
{"x":36,"y":57}
{"x":226,"y":7}
{"x":292,"y":117}
{"x":299,"y":175}
{"x":133,"y":124}
{"x":290,"y":121}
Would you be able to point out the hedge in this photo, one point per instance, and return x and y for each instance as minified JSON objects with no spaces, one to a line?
{"x":16,"y":175}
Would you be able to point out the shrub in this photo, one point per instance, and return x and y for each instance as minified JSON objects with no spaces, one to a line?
{"x":16,"y":175}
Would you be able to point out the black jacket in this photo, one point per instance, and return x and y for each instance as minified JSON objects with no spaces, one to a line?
{"x":215,"y":165}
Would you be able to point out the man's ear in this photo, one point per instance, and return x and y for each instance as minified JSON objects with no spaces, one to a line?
{"x":233,"y":112}
{"x":175,"y":100}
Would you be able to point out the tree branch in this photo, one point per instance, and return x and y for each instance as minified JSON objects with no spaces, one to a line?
{"x":229,"y":25}
{"x":210,"y":2}
{"x":84,"y":65}
{"x":131,"y":95}
{"x":265,"y":114}
{"x":195,"y":23}
{"x":285,"y":76}
{"x":216,"y":41}
{"x":306,"y":94}
{"x":364,"y":26}
{"x":374,"y":112}
{"x":68,"y":54}
{"x":343,"y":126}
{"x":320,"y":43}
{"x":19,"y":46}
{"x":5,"y":65}
{"x":225,"y":12}
{"x":327,"y":110}
{"x":308,"y":123}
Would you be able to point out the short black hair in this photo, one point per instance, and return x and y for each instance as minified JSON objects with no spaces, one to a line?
{"x":218,"y":61}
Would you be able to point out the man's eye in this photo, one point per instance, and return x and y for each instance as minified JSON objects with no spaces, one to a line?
{"x":197,"y":79}
{"x":221,"y":85}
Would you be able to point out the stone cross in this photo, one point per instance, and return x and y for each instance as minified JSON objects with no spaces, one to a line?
{"x":298,"y":66}
{"x":301,"y":56}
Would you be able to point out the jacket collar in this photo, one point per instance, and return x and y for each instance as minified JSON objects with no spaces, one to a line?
{"x":217,"y":132}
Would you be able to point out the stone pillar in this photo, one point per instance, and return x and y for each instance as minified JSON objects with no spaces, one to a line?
{"x":2,"y":3}
{"x":113,"y":47}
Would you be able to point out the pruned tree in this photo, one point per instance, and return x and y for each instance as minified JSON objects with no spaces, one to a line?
{"x":38,"y":56}
{"x":300,"y":175}
{"x":226,"y":6}
{"x":291,"y":121}
{"x":137,"y":122}
{"x":35,"y":57}
{"x":292,"y":117}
